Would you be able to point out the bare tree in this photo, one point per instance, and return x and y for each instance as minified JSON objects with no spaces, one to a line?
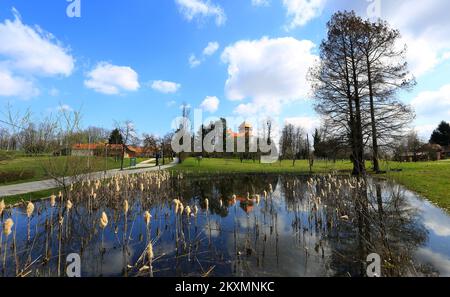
{"x":128,"y":132}
{"x":355,"y":83}
{"x":387,"y":73}
{"x":291,"y":142}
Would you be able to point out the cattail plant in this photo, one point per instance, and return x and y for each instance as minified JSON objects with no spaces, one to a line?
{"x":150,"y":257}
{"x":30,"y":210}
{"x":69,"y":206}
{"x":103,"y":224}
{"x":125,"y":213}
{"x":206,"y":204}
{"x":7,"y":230}
{"x":2,"y":207}
{"x":147,"y":217}
{"x":52,"y":200}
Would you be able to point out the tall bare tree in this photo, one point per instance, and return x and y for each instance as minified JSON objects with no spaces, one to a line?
{"x":387,"y":73}
{"x":355,"y":85}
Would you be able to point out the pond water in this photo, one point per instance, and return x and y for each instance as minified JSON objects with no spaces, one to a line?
{"x":240,"y":225}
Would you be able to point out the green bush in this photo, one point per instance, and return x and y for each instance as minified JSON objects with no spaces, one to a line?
{"x":12,"y":176}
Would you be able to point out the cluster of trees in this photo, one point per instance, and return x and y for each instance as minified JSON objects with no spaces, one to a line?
{"x":159,"y":146}
{"x":361,"y":70}
{"x":415,"y":148}
{"x":294,"y":144}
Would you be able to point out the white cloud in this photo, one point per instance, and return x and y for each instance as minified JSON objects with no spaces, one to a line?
{"x":111,"y":79}
{"x":201,"y":9}
{"x":211,"y":104}
{"x":424,"y":131}
{"x":309,"y":124}
{"x":33,"y":50}
{"x":300,"y":12}
{"x":433,"y":104}
{"x":13,"y":86}
{"x":166,"y":87}
{"x":211,"y":48}
{"x":27,"y":52}
{"x":193,"y":61}
{"x":431,"y":108}
{"x":270,"y":72}
{"x":422,"y":25}
{"x":439,"y":261}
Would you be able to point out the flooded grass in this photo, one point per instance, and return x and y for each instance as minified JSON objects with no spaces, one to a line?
{"x":164,"y":224}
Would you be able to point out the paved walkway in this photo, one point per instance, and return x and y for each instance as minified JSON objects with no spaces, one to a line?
{"x":42,"y":185}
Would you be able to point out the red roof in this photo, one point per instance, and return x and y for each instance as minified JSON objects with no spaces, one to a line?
{"x":93,"y":146}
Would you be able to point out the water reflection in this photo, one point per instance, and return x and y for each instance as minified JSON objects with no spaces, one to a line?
{"x":241,"y":225}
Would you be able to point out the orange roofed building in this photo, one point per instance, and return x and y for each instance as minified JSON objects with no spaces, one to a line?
{"x":100,"y":149}
{"x":245,"y":130}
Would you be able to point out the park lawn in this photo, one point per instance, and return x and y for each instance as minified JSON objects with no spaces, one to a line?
{"x":36,"y":166}
{"x":210,"y":166}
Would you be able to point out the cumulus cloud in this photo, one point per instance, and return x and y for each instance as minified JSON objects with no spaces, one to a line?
{"x":211,"y":48}
{"x":211,"y":104}
{"x":33,"y":50}
{"x":13,"y":86}
{"x":300,"y":12}
{"x":270,"y":72}
{"x":193,"y":61}
{"x":166,"y":87}
{"x":431,"y":107}
{"x":201,"y":9}
{"x":309,"y":124}
{"x":421,"y":23}
{"x":110,"y":79}
{"x":434,"y":104}
{"x":27,"y":53}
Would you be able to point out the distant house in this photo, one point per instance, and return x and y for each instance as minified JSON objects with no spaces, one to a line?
{"x":428,"y":152}
{"x":112,"y":150}
{"x":446,"y":152}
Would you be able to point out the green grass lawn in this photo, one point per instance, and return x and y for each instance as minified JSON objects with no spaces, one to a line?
{"x":36,"y":165}
{"x":208,"y":166}
{"x":429,"y":179}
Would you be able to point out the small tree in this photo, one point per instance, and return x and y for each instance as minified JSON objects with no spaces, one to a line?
{"x":441,"y":135}
{"x":115,"y":137}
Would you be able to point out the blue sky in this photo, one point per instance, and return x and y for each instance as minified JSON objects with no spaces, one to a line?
{"x":141,"y":59}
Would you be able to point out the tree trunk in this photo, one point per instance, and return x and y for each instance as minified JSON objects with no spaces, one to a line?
{"x":122,"y":157}
{"x":376,"y":165}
